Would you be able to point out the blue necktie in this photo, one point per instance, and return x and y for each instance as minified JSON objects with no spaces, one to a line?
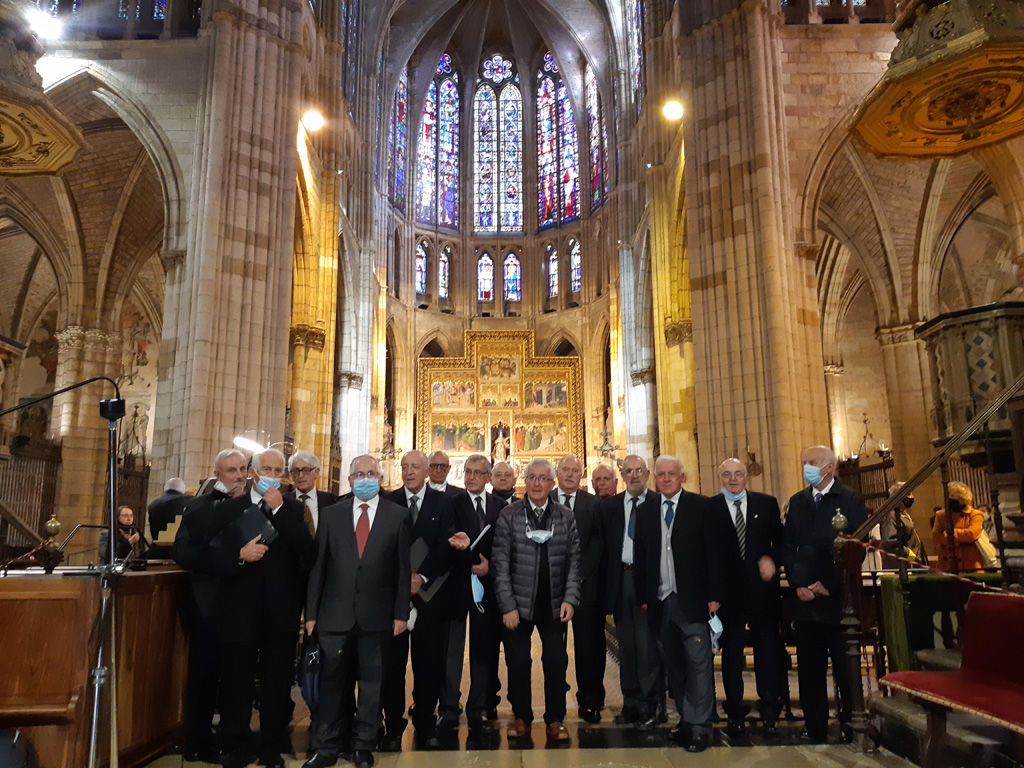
{"x":631,"y":528}
{"x":669,"y":514}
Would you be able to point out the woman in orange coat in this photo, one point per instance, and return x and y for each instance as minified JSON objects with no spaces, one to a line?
{"x":968,"y":523}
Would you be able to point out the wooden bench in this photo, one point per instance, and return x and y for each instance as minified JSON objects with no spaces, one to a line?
{"x":990,"y":681}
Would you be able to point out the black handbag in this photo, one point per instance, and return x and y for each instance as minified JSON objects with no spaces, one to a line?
{"x":309,"y":671}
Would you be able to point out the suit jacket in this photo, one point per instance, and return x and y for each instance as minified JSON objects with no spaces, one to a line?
{"x":468,"y":521}
{"x":194,"y":551}
{"x":435,"y":524}
{"x":614,"y":522}
{"x":589,"y":525}
{"x":745,"y":593}
{"x":163,"y":509}
{"x":698,"y":568}
{"x":346,"y":591}
{"x":807,"y":548}
{"x":324,"y":499}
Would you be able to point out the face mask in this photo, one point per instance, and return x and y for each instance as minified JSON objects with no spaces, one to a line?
{"x":908,"y":502}
{"x":539,"y":537}
{"x":956,"y":506}
{"x":716,"y":629}
{"x":478,"y":588}
{"x":812,"y":475}
{"x":366,"y":487}
{"x":733,"y":496}
{"x":264,"y":484}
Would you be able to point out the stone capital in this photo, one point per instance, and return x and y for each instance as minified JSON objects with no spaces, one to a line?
{"x":896,"y":334}
{"x":643,"y":376}
{"x":833,"y":369}
{"x":76,"y":337}
{"x":679,"y":333}
{"x":348,"y":380}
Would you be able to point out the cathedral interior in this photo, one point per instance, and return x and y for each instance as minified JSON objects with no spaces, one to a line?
{"x":515,"y":227}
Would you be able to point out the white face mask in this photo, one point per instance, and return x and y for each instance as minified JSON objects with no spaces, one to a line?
{"x":539,"y":537}
{"x":716,"y":629}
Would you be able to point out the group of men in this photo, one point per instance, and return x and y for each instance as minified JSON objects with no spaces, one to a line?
{"x":382,"y":576}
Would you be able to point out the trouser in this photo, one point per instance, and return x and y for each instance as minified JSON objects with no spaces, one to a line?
{"x":427,"y":644}
{"x":348,"y":658}
{"x":484,"y":650}
{"x":685,"y":649}
{"x":271,"y":656}
{"x":554,"y":658}
{"x":204,"y":670}
{"x":815,"y":643}
{"x":640,"y":674}
{"x":766,"y":640}
{"x":591,"y":654}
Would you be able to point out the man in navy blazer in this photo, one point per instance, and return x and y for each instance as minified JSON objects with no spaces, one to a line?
{"x":358,"y":599}
{"x":750,"y":535}
{"x":304,"y":468}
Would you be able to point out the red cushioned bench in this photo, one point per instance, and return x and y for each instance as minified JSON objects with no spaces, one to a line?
{"x":990,"y":681}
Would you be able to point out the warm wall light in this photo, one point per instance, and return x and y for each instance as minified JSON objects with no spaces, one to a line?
{"x":44,"y":25}
{"x":673,"y":110}
{"x":312,"y":120}
{"x":247,"y":445}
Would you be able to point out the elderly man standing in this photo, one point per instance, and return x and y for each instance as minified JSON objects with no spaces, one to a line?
{"x":750,"y":529}
{"x":604,"y":482}
{"x":164,"y":509}
{"x":588,"y":619}
{"x":304,"y":468}
{"x":536,"y":562}
{"x":679,"y":581}
{"x":439,"y":466}
{"x":358,"y":600}
{"x":503,"y":482}
{"x":807,"y":552}
{"x":640,"y":674}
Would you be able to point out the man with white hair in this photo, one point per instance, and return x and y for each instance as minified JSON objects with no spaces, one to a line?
{"x":304,"y":469}
{"x":679,"y":582}
{"x":164,"y":509}
{"x":807,"y":552}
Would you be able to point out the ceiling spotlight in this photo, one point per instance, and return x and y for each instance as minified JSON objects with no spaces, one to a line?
{"x":673,"y":110}
{"x":247,"y":445}
{"x":45,"y":26}
{"x":313,"y":121}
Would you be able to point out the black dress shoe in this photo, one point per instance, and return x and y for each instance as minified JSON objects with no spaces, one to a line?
{"x":320,"y":760}
{"x":681,"y":733}
{"x":846,"y":734}
{"x":482,"y":726}
{"x":272,"y":760}
{"x":646,"y":723}
{"x":698,"y":742}
{"x":627,"y":717}
{"x":204,"y":755}
{"x":392,"y":742}
{"x":736,"y":727}
{"x":428,"y":741}
{"x":813,"y":738}
{"x":590,"y":715}
{"x":447,"y":724}
{"x":238,"y":758}
{"x":492,"y":714}
{"x":363,"y":758}
{"x":771,"y":729}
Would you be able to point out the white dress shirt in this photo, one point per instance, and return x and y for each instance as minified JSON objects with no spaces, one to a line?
{"x":442,"y":487}
{"x":567,"y":502}
{"x":667,"y":581}
{"x":313,"y":502}
{"x":409,"y":496}
{"x":256,"y":499}
{"x":627,"y":504}
{"x":732,"y":509}
{"x":371,"y":512}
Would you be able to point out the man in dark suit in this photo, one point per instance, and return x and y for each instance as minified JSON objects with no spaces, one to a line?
{"x":640,"y":675}
{"x":358,"y":600}
{"x":304,"y":469}
{"x":260,"y":604}
{"x":439,"y":465}
{"x":476,"y":512}
{"x":604,"y":482}
{"x":193,"y":550}
{"x":430,"y":525}
{"x":750,"y":534}
{"x":503,"y":482}
{"x":588,"y":620}
{"x":164,"y":509}
{"x":679,"y":581}
{"x":807,"y":552}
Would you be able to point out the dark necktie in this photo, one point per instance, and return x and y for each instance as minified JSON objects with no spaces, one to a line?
{"x":631,"y":527}
{"x":566,"y":497}
{"x":307,"y":514}
{"x":480,"y":510}
{"x":817,"y":498}
{"x":414,"y":508}
{"x":669,"y":513}
{"x":741,"y":529}
{"x":362,"y":529}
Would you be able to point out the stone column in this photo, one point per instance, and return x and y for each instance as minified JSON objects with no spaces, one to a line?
{"x":836,"y":393}
{"x":908,"y":378}
{"x":756,"y":330}
{"x":227,"y":306}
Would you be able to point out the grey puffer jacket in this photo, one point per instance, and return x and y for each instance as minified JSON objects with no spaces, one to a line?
{"x":516,"y":561}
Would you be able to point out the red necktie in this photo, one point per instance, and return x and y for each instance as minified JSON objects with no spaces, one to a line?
{"x":362,"y":529}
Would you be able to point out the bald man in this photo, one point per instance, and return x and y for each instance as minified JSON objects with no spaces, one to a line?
{"x":604,"y":482}
{"x":807,"y":553}
{"x":438,"y":467}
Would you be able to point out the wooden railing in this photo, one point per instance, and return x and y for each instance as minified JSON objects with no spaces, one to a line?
{"x":28,"y":486}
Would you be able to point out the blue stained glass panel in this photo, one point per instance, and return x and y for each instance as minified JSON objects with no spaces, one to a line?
{"x":569,"y":157}
{"x":511,"y":105}
{"x":547,"y":155}
{"x":485,"y":278}
{"x":486,"y":177}
{"x":596,"y":133}
{"x":398,"y":140}
{"x":636,"y":33}
{"x":444,"y":66}
{"x":513,"y":279}
{"x":421,"y":269}
{"x":426,"y":159}
{"x":549,"y":62}
{"x":448,"y":154}
{"x":552,"y":273}
{"x":443,"y":263}
{"x":497,"y":69}
{"x":575,"y":268}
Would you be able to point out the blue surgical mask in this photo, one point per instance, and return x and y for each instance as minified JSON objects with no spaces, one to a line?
{"x":266,"y":483}
{"x":716,"y":629}
{"x":812,"y":475}
{"x":366,"y":487}
{"x":733,"y":496}
{"x":478,"y":588}
{"x":540,"y":537}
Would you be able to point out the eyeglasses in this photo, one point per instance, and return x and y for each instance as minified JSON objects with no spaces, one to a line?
{"x":371,"y":475}
{"x":634,"y":471}
{"x":300,"y":471}
{"x":538,"y":479}
{"x":739,"y":475}
{"x":476,"y":473}
{"x":439,"y":466}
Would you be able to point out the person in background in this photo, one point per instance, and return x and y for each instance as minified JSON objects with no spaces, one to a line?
{"x":604,"y":482}
{"x":131,"y":543}
{"x":439,"y":466}
{"x":304,"y":468}
{"x":968,"y":524}
{"x":503,"y":482}
{"x":165,"y":508}
{"x":900,"y":519}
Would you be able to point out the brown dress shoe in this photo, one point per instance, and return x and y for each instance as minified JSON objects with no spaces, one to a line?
{"x":557,"y":732}
{"x":517,"y":729}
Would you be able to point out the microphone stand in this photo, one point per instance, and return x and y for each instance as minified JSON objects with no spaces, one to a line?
{"x":112,"y":411}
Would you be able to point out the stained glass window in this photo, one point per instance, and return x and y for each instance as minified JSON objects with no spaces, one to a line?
{"x":558,"y":167}
{"x":498,"y":158}
{"x":552,"y":272}
{"x":437,"y":154}
{"x":443,"y":262}
{"x":636,"y":53}
{"x":598,"y":136}
{"x":485,"y":279}
{"x":421,"y":268}
{"x":513,"y":279}
{"x":351,"y":42}
{"x":575,"y":268}
{"x":398,"y":140}
{"x":124,"y":9}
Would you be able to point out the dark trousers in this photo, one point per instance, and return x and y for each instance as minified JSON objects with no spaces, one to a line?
{"x":685,"y":649}
{"x":640,"y":675}
{"x":554,"y":658}
{"x":271,"y":656}
{"x":347,"y":659}
{"x":484,"y":650}
{"x":766,"y":640}
{"x":816,"y":642}
{"x":591,"y":654}
{"x":201,"y":684}
{"x":427,"y":643}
